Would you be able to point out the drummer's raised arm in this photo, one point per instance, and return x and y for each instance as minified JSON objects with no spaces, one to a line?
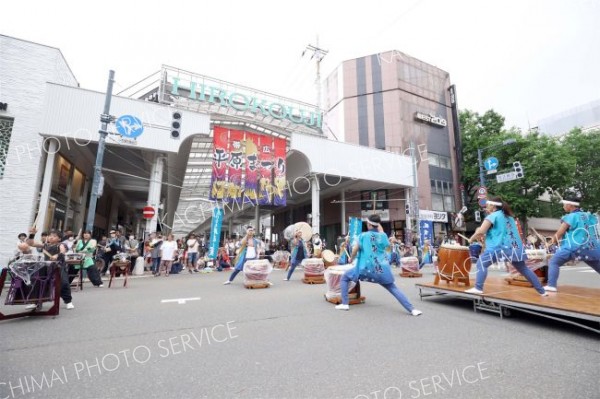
{"x":31,"y":239}
{"x":481,"y":230}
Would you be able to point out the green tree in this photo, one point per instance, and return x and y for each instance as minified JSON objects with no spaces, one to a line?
{"x":546,"y":163}
{"x":586,"y":171}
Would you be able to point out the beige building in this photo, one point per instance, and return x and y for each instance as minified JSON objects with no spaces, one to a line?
{"x":386,"y":101}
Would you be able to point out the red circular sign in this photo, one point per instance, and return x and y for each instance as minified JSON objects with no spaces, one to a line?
{"x":148,"y":212}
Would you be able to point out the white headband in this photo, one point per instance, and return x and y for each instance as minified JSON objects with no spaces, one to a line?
{"x":570,"y":202}
{"x":493,"y":203}
{"x":372,"y":223}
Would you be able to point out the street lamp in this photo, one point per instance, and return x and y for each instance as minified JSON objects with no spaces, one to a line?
{"x":480,"y":160}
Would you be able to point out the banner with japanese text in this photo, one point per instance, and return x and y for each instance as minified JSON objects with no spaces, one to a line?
{"x":279,"y":182}
{"x":426,"y":230}
{"x":215,"y":232}
{"x":235,"y":166}
{"x":219,"y":166}
{"x":251,"y":154}
{"x":354,"y":229}
{"x":265,"y":171}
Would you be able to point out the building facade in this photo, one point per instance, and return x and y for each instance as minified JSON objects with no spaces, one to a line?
{"x":25,"y":68}
{"x":586,"y":117}
{"x":388,"y":101}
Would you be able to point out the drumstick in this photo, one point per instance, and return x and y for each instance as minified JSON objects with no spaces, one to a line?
{"x":36,"y":220}
{"x":541,"y":237}
{"x":468,"y":239}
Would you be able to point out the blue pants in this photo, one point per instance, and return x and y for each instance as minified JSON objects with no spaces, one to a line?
{"x":391,"y":287}
{"x":488,"y":257}
{"x":293,"y":265}
{"x":562,"y":256}
{"x":192,"y":259}
{"x":155,"y":265}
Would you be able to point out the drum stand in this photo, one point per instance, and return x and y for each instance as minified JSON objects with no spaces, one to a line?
{"x":456,"y":277}
{"x":256,"y":284}
{"x":520,"y":281}
{"x":408,"y":273}
{"x":313,"y":279}
{"x":354,"y":297}
{"x":79,"y":285}
{"x":54,"y":309}
{"x":121,"y":267}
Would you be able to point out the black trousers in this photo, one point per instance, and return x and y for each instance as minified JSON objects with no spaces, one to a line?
{"x":94,"y":275}
{"x":65,"y":284}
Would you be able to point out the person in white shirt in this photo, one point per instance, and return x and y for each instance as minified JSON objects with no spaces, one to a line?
{"x":192,"y":253}
{"x":168,"y":254}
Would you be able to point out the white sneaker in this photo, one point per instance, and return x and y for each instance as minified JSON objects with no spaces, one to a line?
{"x":100,"y":286}
{"x":286,"y":279}
{"x":544,"y":294}
{"x":341,"y":306}
{"x":70,"y":305}
{"x":416,"y":312}
{"x":227,"y":282}
{"x":474,"y":291}
{"x":31,"y":306}
{"x":550,"y":289}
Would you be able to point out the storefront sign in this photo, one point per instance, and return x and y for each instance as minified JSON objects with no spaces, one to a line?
{"x":383,"y":214}
{"x":3,"y":106}
{"x":430,"y":118}
{"x":433,"y":216}
{"x":243,"y":102}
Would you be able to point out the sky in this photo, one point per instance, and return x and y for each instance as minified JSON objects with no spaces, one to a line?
{"x":526,"y":59}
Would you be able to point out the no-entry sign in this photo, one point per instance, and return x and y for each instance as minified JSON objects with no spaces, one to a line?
{"x":148,"y":212}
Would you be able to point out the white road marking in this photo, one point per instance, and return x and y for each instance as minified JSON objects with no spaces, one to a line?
{"x":180,"y":301}
{"x":576,"y":268}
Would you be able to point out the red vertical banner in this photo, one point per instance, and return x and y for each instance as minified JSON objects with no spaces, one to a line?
{"x":219,"y":166}
{"x":252,"y":164}
{"x":235,"y":166}
{"x":279,"y":167}
{"x":265,"y":170}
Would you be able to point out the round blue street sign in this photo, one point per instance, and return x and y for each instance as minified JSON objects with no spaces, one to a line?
{"x":491,"y":163}
{"x":129,"y":126}
{"x":482,"y":201}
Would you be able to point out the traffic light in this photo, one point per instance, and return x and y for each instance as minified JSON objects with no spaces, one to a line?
{"x":175,"y":125}
{"x":407,"y":207}
{"x":518,"y":169}
{"x":477,"y":216}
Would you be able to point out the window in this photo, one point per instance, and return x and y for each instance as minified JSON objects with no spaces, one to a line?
{"x":437,"y":202}
{"x":442,"y":196}
{"x":448,"y":203}
{"x":440,"y":161}
{"x":6,"y":126}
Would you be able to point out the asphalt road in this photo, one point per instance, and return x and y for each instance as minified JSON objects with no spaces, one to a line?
{"x":288,"y":342}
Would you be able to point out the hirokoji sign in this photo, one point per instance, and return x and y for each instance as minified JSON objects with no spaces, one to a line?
{"x":244,"y":102}
{"x":430,"y":118}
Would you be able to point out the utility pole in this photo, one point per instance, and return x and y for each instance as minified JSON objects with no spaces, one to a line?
{"x":105,"y":119}
{"x":415,"y":190}
{"x":318,"y":54}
